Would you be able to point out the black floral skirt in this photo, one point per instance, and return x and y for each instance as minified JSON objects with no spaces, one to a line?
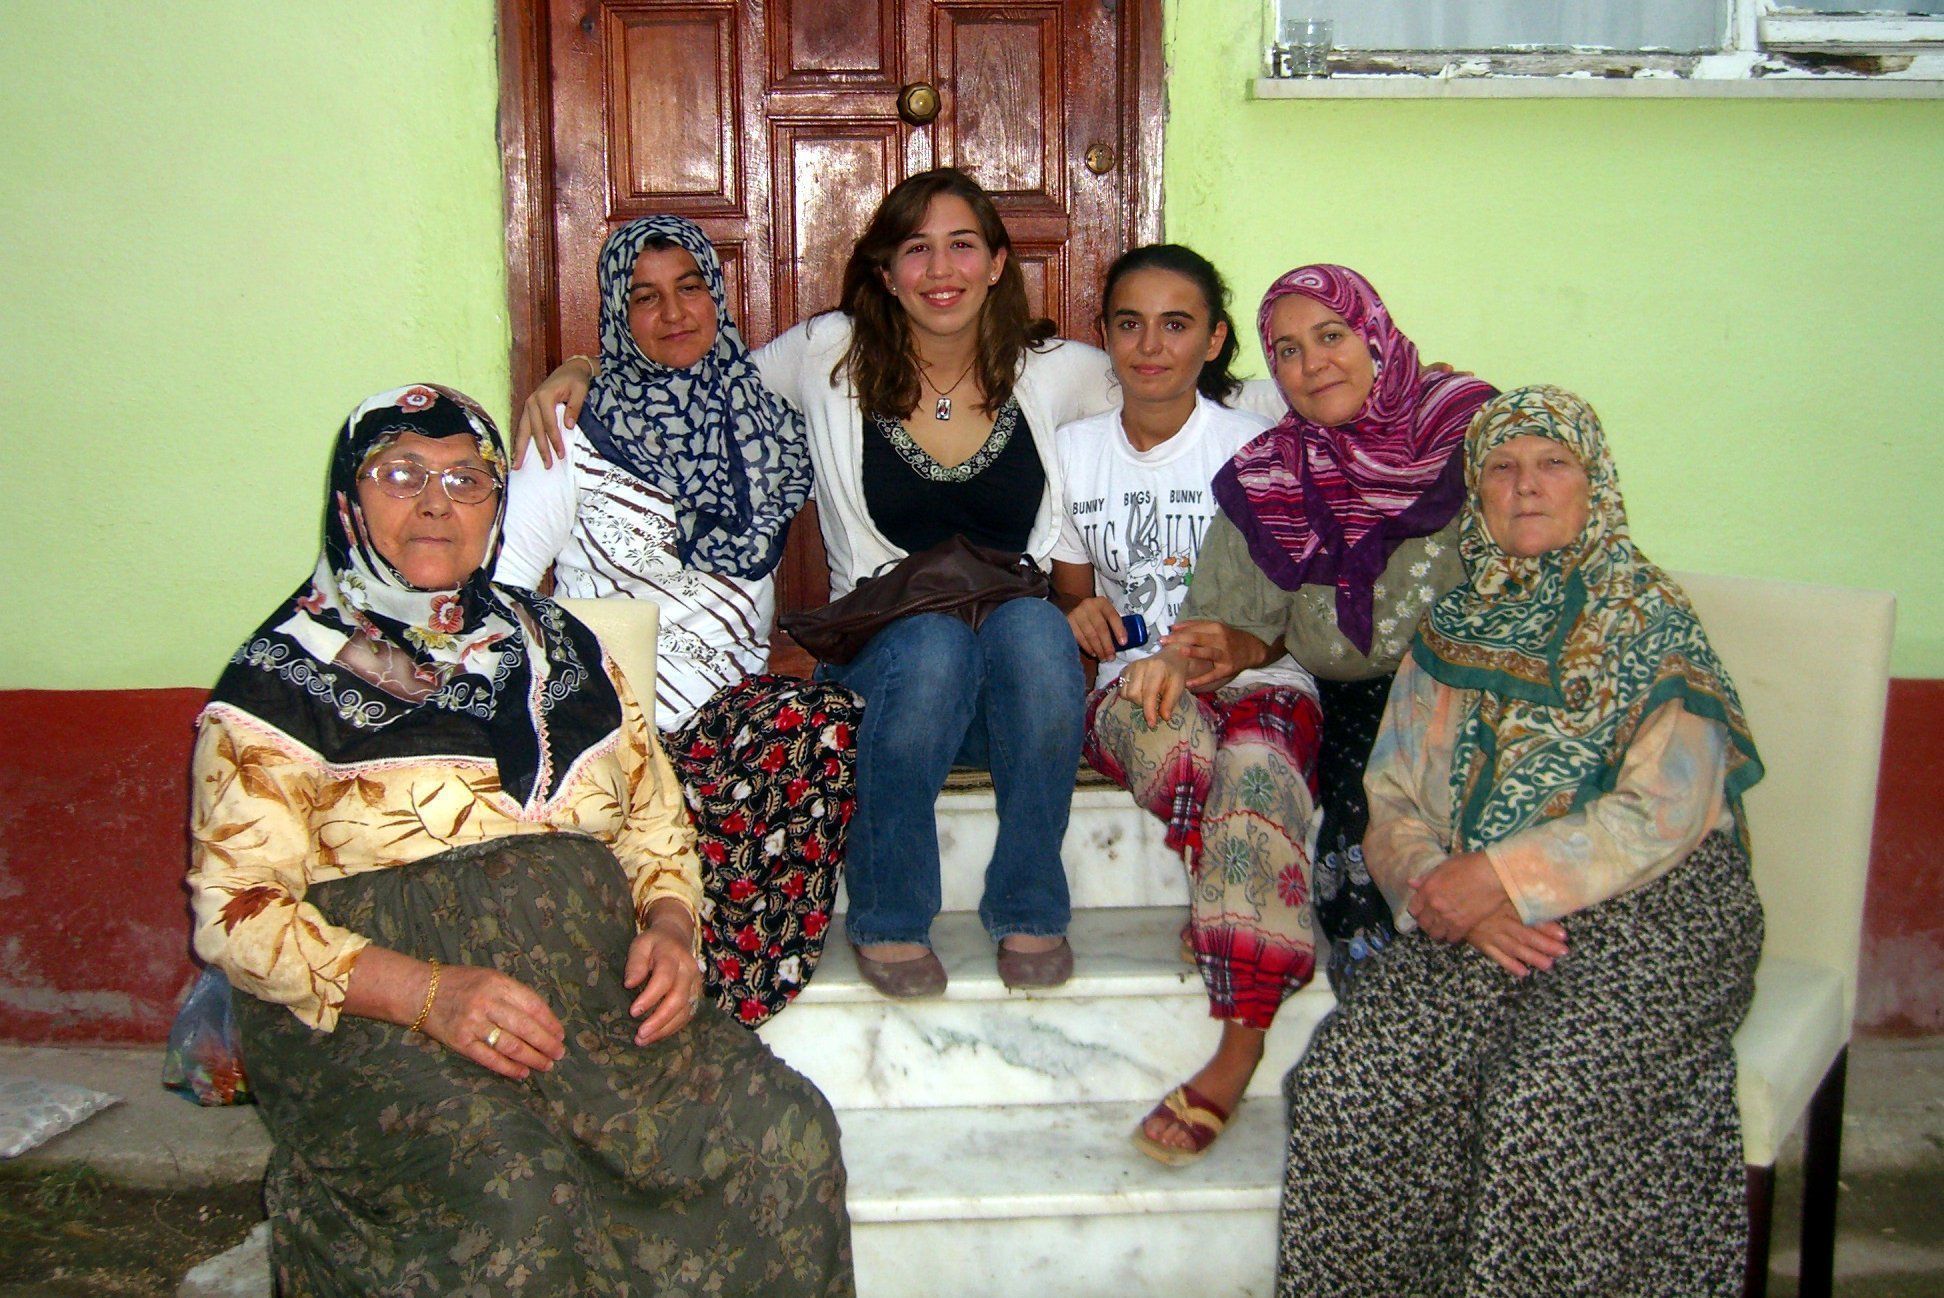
{"x":697,"y":1165}
{"x":1350,"y":908}
{"x":769,"y":770}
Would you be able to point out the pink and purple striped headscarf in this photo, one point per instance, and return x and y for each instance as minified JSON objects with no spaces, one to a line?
{"x":1327,"y":506}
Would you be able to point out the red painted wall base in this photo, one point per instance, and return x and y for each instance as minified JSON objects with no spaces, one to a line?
{"x":1900,"y":987}
{"x":94,"y":921}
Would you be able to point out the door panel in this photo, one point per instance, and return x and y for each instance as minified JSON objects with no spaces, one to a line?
{"x":774,"y":125}
{"x":816,"y":44}
{"x":829,"y":179}
{"x":672,"y":133}
{"x":1004,"y":69}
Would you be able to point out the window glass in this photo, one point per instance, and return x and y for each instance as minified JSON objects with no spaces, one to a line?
{"x":1674,"y":25}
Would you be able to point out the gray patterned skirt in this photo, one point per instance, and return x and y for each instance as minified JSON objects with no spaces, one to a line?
{"x":697,"y":1165}
{"x":1456,"y":1131}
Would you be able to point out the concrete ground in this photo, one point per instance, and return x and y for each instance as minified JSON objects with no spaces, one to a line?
{"x":1891,"y":1223}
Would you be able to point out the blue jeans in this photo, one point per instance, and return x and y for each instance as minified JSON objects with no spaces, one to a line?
{"x":938,"y":694}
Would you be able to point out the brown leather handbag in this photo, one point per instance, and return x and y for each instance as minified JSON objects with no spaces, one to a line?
{"x":955,"y":576}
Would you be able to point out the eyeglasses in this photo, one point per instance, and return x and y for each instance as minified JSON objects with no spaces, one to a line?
{"x":406,"y":479}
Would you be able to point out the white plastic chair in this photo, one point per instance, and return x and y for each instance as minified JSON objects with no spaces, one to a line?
{"x":1812,"y":664}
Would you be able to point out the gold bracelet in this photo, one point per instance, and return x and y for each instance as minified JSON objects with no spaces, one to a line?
{"x":593,"y":370}
{"x":431,"y":992}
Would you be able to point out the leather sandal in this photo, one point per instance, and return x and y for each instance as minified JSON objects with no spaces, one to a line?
{"x":903,"y":979}
{"x":1199,"y":1116}
{"x":1026,"y":970}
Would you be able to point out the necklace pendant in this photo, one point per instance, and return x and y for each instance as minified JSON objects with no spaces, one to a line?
{"x":943,"y":410}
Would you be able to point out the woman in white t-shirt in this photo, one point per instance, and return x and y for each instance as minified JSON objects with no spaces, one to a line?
{"x":677,"y":484}
{"x":1232,"y":769}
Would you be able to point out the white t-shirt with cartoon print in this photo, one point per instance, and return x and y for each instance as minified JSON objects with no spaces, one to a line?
{"x":1137,"y":518}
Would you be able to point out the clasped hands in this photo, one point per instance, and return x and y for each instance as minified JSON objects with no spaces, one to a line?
{"x":503,"y":1025}
{"x":1197,"y":654}
{"x":1462,"y":900}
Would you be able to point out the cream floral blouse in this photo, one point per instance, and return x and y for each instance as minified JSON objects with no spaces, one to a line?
{"x":269,"y":818}
{"x":1667,"y":799}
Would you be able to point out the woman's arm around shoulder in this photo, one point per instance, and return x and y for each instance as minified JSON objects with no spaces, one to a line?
{"x":1070,"y":380}
{"x":796,"y":364}
{"x":554,"y":403}
{"x":541,"y":501}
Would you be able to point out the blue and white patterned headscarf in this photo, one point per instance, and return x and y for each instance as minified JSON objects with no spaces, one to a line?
{"x":730,"y":454}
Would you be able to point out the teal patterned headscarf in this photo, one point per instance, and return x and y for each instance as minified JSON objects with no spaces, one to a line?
{"x":1568,"y":652}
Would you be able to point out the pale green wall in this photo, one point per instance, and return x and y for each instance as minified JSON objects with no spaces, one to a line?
{"x":226,"y":222}
{"x":1749,"y":292}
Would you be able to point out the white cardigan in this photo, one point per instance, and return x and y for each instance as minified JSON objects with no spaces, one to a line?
{"x":1063,"y":382}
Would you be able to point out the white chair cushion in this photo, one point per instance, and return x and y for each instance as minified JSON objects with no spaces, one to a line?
{"x":627,"y":630}
{"x":1795,"y":1028}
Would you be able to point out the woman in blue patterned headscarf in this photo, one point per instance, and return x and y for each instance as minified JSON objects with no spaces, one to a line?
{"x":1533,"y":1089}
{"x":678,"y":486}
{"x":730,"y":453}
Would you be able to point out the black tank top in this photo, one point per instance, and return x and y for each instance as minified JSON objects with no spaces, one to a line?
{"x":991,"y":499}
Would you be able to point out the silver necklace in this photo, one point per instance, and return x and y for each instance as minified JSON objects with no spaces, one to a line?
{"x":943,"y":409}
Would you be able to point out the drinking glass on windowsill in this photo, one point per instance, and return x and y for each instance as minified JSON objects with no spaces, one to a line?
{"x":1308,"y":42}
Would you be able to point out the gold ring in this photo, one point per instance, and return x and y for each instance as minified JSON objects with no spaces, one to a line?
{"x":492,"y":1038}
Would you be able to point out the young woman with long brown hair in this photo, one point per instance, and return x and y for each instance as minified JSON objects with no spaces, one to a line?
{"x":930,"y":400}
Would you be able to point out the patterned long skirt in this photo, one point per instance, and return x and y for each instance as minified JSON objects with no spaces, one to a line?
{"x":769,"y":770}
{"x":1232,"y":774}
{"x":1457,"y":1131}
{"x":697,"y":1165}
{"x":1350,"y":908}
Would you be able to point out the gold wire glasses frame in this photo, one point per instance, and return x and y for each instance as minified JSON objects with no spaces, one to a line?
{"x":406,"y":479}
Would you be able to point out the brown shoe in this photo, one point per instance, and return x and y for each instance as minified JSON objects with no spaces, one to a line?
{"x":1021,"y":970}
{"x":903,"y":979}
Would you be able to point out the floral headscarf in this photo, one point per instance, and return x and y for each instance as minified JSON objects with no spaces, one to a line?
{"x":1328,"y":506}
{"x":1569,"y":651}
{"x":731,"y":455}
{"x":359,"y":666}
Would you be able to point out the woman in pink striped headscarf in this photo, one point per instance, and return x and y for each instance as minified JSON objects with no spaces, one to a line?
{"x":1326,"y":501}
{"x":1336,"y":531}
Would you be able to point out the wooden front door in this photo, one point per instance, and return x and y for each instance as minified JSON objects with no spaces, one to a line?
{"x":776,"y":126}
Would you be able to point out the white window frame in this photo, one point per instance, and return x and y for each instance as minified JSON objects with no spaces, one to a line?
{"x":1774,"y":48}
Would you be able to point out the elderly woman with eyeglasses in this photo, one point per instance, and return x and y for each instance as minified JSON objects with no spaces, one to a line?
{"x":438,"y":845}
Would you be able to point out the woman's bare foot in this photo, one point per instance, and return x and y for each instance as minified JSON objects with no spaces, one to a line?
{"x":1029,"y":944}
{"x":1223,"y":1079}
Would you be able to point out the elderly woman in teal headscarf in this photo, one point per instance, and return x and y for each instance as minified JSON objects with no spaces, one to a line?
{"x":1533,"y":1089}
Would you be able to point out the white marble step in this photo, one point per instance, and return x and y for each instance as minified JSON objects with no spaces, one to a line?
{"x":1057,"y":1202}
{"x":1131,"y":1024}
{"x":1052,"y":1202}
{"x":1113,"y":852}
